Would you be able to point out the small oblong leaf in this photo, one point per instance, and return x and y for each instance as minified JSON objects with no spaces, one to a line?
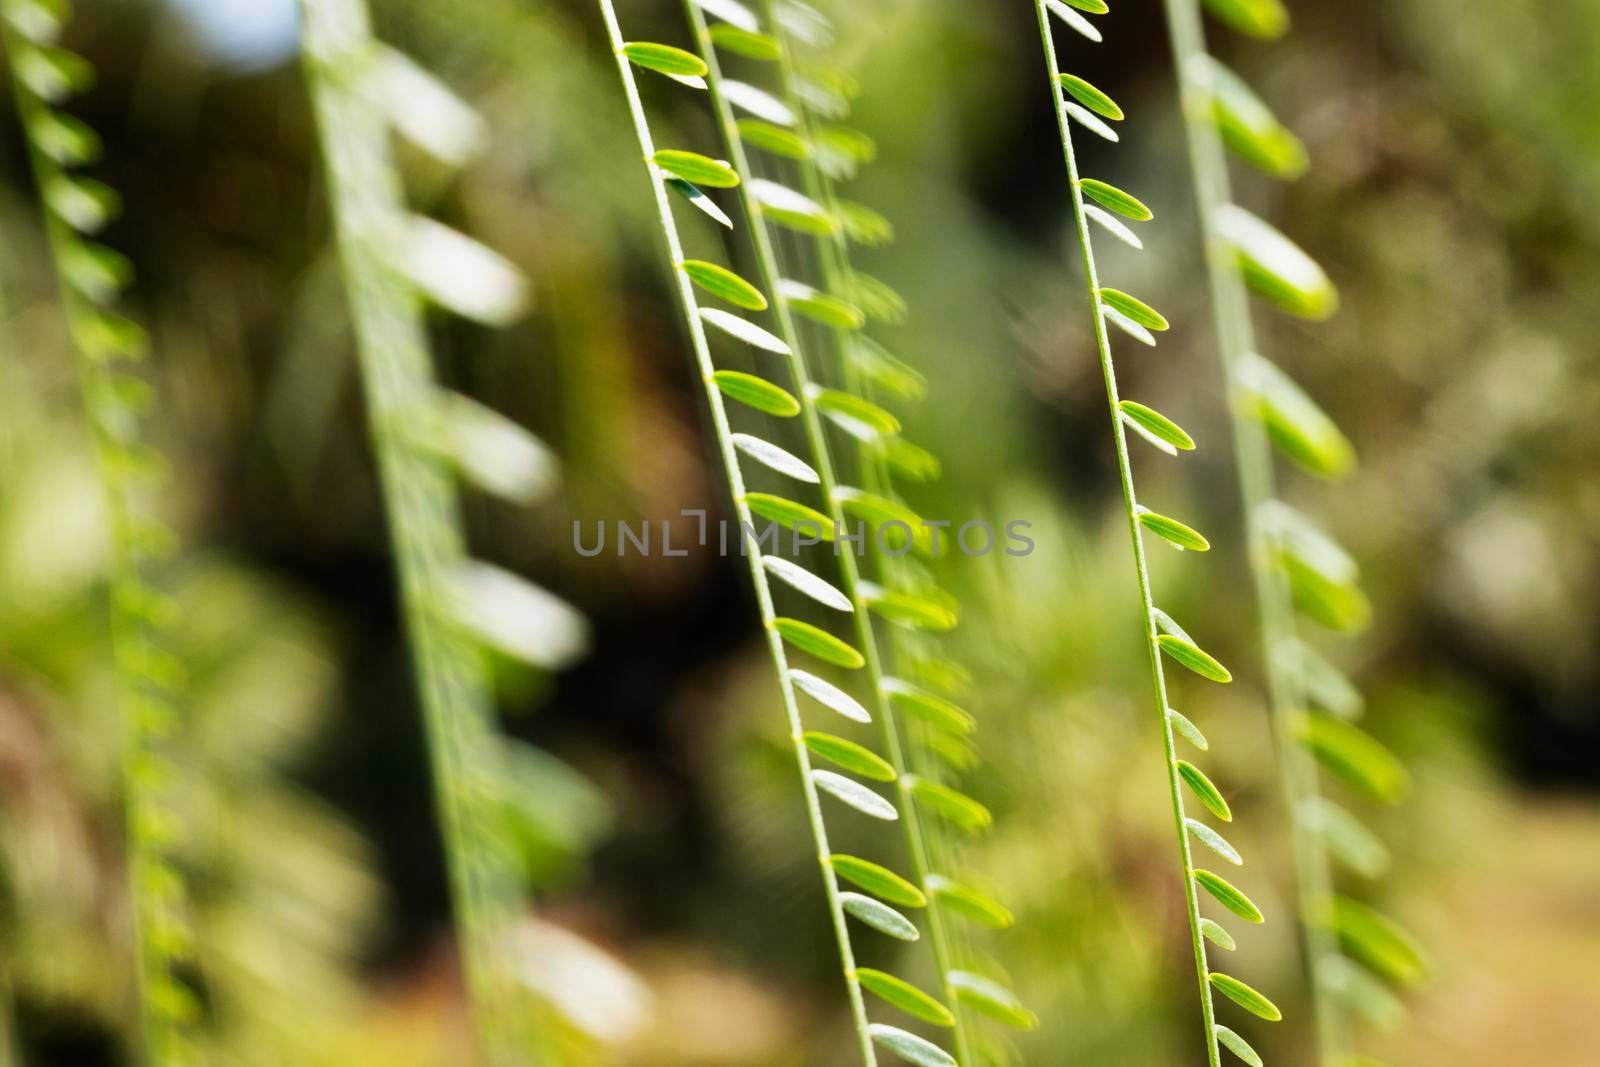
{"x":1173,"y":531}
{"x":664,"y":59}
{"x":1127,"y":325}
{"x":1089,"y":121}
{"x":857,"y":759}
{"x":905,"y":996}
{"x":818,"y":589}
{"x":1123,"y":203}
{"x":1238,"y":1046}
{"x":829,"y":696}
{"x":1060,"y":10}
{"x":934,"y":710}
{"x":1133,"y":308}
{"x":1264,"y":19}
{"x":1213,"y":840}
{"x":1293,"y":421}
{"x":851,"y":792}
{"x":1090,"y":97}
{"x":1093,"y":7}
{"x":744,"y":330}
{"x":818,"y":642}
{"x":992,"y":998}
{"x":1228,"y":895}
{"x":1113,"y":225}
{"x":792,"y":209}
{"x":747,"y":43}
{"x":1347,"y":840}
{"x":1191,"y":733}
{"x":884,"y":370}
{"x":1247,"y":125}
{"x":1244,"y":996}
{"x":877,"y":880}
{"x":909,"y":609}
{"x":1207,"y":793}
{"x":774,"y":458}
{"x":791,"y":515}
{"x":911,"y":1048}
{"x":820,"y":307}
{"x":722,"y":283}
{"x":1215,"y":934}
{"x":879,"y":916}
{"x":732,"y":12}
{"x":697,"y":169}
{"x":1362,"y":761}
{"x":1275,"y":266}
{"x":1193,"y":657}
{"x":690,"y":192}
{"x":757,"y":102}
{"x":756,"y":392}
{"x":839,"y":402}
{"x":862,"y":224}
{"x":953,"y":806}
{"x":1377,"y":941}
{"x":1158,"y":424}
{"x":970,"y":903}
{"x":770,"y":137}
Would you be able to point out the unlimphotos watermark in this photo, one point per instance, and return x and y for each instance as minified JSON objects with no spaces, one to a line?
{"x":974,"y":538}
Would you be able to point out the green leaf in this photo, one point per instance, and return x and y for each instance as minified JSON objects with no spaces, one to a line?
{"x":730,"y":11}
{"x":722,"y":283}
{"x":1157,"y":424}
{"x":1207,"y":793}
{"x":744,"y":330}
{"x":1090,"y":97}
{"x":829,"y":696}
{"x":1112,"y":225}
{"x":1093,"y":7}
{"x":1361,"y":991}
{"x":1193,"y":657}
{"x":820,"y":643}
{"x":700,"y":200}
{"x":992,"y":998}
{"x":1377,"y":941}
{"x":911,"y":461}
{"x":842,"y":151}
{"x":851,"y":792}
{"x":82,"y":203}
{"x":819,"y":306}
{"x":933,"y":710}
{"x":797,"y":577}
{"x":1127,"y":325}
{"x":52,"y":73}
{"x":756,"y":392}
{"x":908,"y":608}
{"x":1275,"y":267}
{"x":1340,"y":606}
{"x":862,"y":224}
{"x":1347,"y":840}
{"x":1191,"y":732}
{"x":836,"y":402}
{"x":1244,"y":996}
{"x":695,"y":168}
{"x":876,"y":297}
{"x":970,"y":903}
{"x":884,"y":370}
{"x":1133,"y":308}
{"x":1060,"y":10}
{"x":1215,"y":934}
{"x":792,"y":209}
{"x":879,"y":881}
{"x":905,"y":996}
{"x":69,"y":141}
{"x":742,"y":42}
{"x":1125,"y":204}
{"x":94,"y":270}
{"x":1325,"y":685}
{"x":770,"y":137}
{"x":1090,"y":121}
{"x":1173,"y":531}
{"x":1238,"y":1046}
{"x":1247,"y":125}
{"x":757,"y":102}
{"x":1228,"y":895}
{"x":790,"y":514}
{"x":1213,"y":840}
{"x":1264,"y":19}
{"x":879,"y":916}
{"x":1294,"y":422}
{"x":947,"y":803}
{"x":665,"y":59}
{"x":910,"y":1047}
{"x":1358,"y":758}
{"x":858,"y":759}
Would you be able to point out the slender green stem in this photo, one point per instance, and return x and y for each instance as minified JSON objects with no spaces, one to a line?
{"x":1103,"y":344}
{"x":730,"y":462}
{"x":144,"y":673}
{"x":833,"y":257}
{"x":425,"y":522}
{"x":1253,"y":455}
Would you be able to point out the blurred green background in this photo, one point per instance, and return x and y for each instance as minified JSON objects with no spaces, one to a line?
{"x":1455,"y":165}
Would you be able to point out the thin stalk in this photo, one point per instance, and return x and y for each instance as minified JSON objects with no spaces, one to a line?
{"x":369,"y":218}
{"x":1125,"y":471}
{"x":730,"y":463}
{"x":156,"y":884}
{"x":1230,"y":304}
{"x":833,"y":259}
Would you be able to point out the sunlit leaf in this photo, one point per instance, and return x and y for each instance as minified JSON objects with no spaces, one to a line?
{"x":1172,"y":530}
{"x":744,"y":330}
{"x":1213,"y":840}
{"x":1157,"y":423}
{"x":1293,"y":420}
{"x":905,"y":996}
{"x":857,"y":759}
{"x":1127,"y":325}
{"x":1089,"y":121}
{"x":862,"y":224}
{"x":793,"y":209}
{"x":1377,"y":941}
{"x":722,"y":283}
{"x":969,"y":902}
{"x":876,"y":297}
{"x":664,"y":59}
{"x":772,"y":457}
{"x":697,"y":169}
{"x":1122,"y":203}
{"x":700,"y":200}
{"x":1275,"y":266}
{"x":818,"y":642}
{"x":829,"y":695}
{"x":933,"y":710}
{"x":1265,"y":19}
{"x":1246,"y":124}
{"x":819,"y":306}
{"x":1181,"y":724}
{"x":1205,"y":790}
{"x":1244,"y":996}
{"x":1358,"y":758}
{"x":1228,"y":895}
{"x":756,"y":392}
{"x":949,"y":804}
{"x":770,"y":137}
{"x":1093,"y":7}
{"x":909,"y":609}
{"x":82,"y":203}
{"x":494,"y":452}
{"x":810,"y":584}
{"x":851,"y":792}
{"x":515,"y":616}
{"x":879,"y":916}
{"x":877,"y":880}
{"x":731,"y":11}
{"x":1238,"y":1046}
{"x":1215,"y":934}
{"x":992,"y":998}
{"x":758,"y":102}
{"x":1347,"y":840}
{"x":911,"y":460}
{"x":1112,"y":225}
{"x":1193,"y":657}
{"x":1090,"y":97}
{"x":1060,"y":10}
{"x":424,"y":110}
{"x":1133,"y":308}
{"x":884,"y":370}
{"x":791,"y":515}
{"x":838,"y":402}
{"x":910,"y":1047}
{"x":742,"y":42}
